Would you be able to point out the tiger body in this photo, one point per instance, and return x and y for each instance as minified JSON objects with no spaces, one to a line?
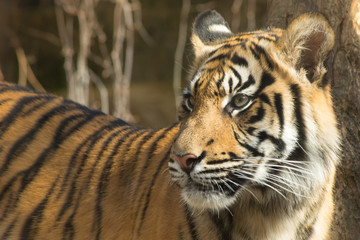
{"x":62,"y":161}
{"x":253,"y":156}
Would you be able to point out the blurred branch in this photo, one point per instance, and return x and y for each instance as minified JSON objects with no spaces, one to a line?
{"x":123,"y":33}
{"x":104,"y":95}
{"x":116,"y":55}
{"x":65,"y":29}
{"x":129,"y":59}
{"x":49,"y":37}
{"x":236,"y":15}
{"x":25,"y":71}
{"x":82,"y":83}
{"x":22,"y":69}
{"x":136,"y":5}
{"x":184,"y":15}
{"x":105,"y":55}
{"x":251,"y":15}
{"x":115,"y":63}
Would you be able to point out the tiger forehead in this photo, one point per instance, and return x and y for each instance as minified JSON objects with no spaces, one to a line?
{"x":233,"y":52}
{"x":271,"y":34}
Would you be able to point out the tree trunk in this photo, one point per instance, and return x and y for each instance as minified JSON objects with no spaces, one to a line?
{"x":343,"y":67}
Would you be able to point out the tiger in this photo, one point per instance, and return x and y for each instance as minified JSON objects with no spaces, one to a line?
{"x":252,"y":156}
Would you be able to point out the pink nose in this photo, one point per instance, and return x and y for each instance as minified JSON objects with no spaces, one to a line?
{"x":186,"y":161}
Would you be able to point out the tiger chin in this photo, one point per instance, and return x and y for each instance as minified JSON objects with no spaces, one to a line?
{"x":258,"y":142}
{"x":253,"y":156}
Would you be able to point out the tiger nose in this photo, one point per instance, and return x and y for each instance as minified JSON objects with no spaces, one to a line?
{"x":187,"y":161}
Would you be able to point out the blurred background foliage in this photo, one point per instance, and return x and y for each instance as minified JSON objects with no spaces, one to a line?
{"x":29,"y":34}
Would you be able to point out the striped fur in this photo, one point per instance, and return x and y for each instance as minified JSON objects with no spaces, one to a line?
{"x":256,"y":124}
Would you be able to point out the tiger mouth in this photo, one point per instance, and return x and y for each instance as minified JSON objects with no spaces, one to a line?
{"x":210,"y":196}
{"x":228,"y":187}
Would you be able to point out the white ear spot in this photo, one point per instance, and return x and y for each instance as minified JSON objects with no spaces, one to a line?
{"x":219,"y":28}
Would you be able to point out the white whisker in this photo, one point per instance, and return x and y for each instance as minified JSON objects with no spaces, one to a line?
{"x":239,"y":174}
{"x":243,"y":187}
{"x":286,"y":189}
{"x":165,"y":170}
{"x":298,"y":169}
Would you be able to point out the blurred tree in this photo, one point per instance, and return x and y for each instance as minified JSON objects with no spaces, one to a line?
{"x":344,"y":74}
{"x":115,"y":63}
{"x":180,"y":48}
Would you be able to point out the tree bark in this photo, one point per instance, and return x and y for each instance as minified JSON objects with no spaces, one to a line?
{"x":343,"y":66}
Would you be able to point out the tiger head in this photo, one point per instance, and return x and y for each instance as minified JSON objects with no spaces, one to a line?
{"x":256,"y":119}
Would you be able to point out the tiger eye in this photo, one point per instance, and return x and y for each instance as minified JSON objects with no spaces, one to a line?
{"x":190,"y":101}
{"x":240,"y":101}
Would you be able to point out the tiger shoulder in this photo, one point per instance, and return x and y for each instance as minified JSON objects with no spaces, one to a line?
{"x":252,"y":157}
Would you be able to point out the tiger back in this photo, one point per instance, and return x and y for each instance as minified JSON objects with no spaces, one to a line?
{"x":253,"y":155}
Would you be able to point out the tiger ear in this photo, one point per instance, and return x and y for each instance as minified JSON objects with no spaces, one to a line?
{"x":208,"y":30}
{"x":306,"y":43}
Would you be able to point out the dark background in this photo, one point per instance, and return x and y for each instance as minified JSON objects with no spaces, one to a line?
{"x":32,"y":25}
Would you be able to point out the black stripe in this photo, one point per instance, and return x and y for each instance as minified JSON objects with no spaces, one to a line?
{"x":127,"y":149}
{"x":264,"y":97}
{"x":11,"y":201}
{"x":13,"y":114}
{"x":180,"y":234}
{"x":266,"y":38}
{"x":91,"y":140}
{"x":9,"y":229}
{"x":33,"y":221}
{"x":298,"y":153}
{"x":259,"y":115}
{"x":250,"y":130}
{"x":214,"y":162}
{"x":142,"y":175}
{"x":279,"y":110}
{"x":223,"y":221}
{"x":3,"y":101}
{"x":74,"y":188}
{"x":255,"y":54}
{"x":240,"y":128}
{"x":237,"y":75}
{"x":230,"y":85}
{"x":60,"y":136}
{"x":148,"y":194}
{"x":196,"y":86}
{"x":75,"y":158}
{"x":248,"y":83}
{"x":191,"y":224}
{"x":23,"y":142}
{"x":239,"y":60}
{"x":221,"y":79}
{"x":254,"y":152}
{"x":103,"y":182}
{"x":226,"y":46}
{"x":261,"y":51}
{"x":280,"y":144}
{"x":217,"y":57}
{"x":16,"y":88}
{"x":46,"y":99}
{"x":217,"y":170}
{"x":211,"y":141}
{"x":266,"y":80}
{"x":69,"y":231}
{"x":145,"y":166}
{"x":143,"y":141}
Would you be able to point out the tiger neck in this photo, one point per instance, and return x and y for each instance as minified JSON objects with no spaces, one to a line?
{"x":280,"y":219}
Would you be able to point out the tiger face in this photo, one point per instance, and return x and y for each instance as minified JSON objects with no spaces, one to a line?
{"x":253,"y":125}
